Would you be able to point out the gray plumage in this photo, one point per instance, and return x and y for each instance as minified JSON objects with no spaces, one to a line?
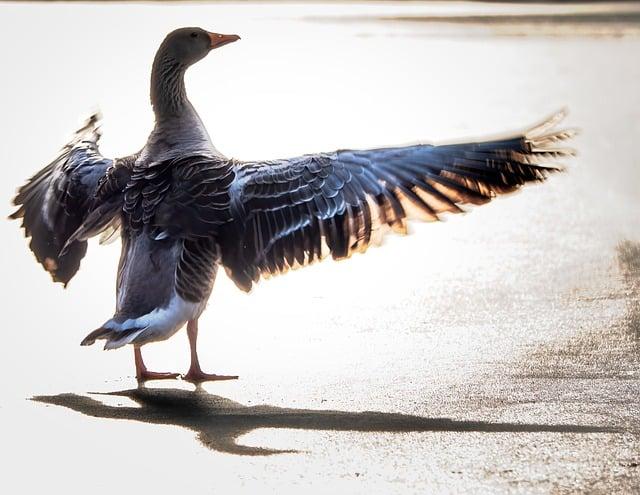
{"x":183,"y":209}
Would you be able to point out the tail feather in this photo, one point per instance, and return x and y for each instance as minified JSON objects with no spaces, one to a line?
{"x":99,"y":333}
{"x":115,"y":338}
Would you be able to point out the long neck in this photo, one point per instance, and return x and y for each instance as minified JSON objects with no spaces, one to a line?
{"x":168,"y":94}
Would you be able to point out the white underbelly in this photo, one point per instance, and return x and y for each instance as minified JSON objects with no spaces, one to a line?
{"x":157,"y":325}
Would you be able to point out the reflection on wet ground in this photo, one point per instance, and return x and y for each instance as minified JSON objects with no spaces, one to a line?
{"x":219,"y":422}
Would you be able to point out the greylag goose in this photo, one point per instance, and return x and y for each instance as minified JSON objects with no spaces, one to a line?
{"x":183,"y":209}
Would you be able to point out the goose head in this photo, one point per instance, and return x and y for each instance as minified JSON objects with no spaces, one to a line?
{"x":179,"y":50}
{"x":186,"y":46}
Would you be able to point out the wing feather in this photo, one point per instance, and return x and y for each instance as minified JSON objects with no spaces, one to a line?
{"x":76,"y":196}
{"x":291,"y":213}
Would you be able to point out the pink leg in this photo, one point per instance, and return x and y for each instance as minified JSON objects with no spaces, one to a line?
{"x":195,"y":373}
{"x":143,"y":374}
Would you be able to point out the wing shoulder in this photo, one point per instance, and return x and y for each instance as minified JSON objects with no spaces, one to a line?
{"x":188,"y":196}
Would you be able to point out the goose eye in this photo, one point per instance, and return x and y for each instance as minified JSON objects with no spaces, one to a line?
{"x":194,"y":35}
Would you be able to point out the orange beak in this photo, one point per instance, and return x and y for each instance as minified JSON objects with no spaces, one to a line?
{"x":218,"y":40}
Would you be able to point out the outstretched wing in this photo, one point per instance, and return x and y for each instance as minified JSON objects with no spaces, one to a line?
{"x":69,"y":200}
{"x":290,"y":213}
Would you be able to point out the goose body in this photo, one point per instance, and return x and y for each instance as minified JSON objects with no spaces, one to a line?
{"x":155,"y":297}
{"x":183,"y":209}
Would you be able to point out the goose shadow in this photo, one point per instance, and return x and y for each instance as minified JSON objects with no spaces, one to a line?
{"x":219,"y":422}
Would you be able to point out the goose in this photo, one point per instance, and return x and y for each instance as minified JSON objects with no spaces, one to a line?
{"x":183,"y":209}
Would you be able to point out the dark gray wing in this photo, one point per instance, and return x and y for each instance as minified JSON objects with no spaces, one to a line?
{"x":289,"y":213}
{"x":73,"y":197}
